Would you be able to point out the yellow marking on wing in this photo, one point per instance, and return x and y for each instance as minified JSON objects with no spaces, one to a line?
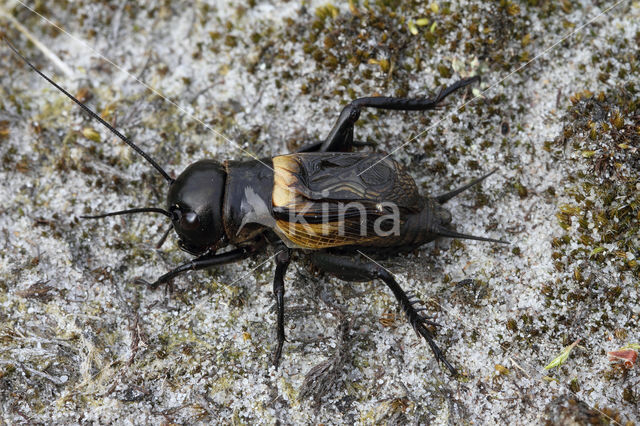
{"x":320,"y":235}
{"x":287,"y":192}
{"x":284,"y":180}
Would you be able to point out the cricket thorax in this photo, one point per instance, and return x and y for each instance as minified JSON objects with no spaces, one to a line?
{"x":247,"y":200}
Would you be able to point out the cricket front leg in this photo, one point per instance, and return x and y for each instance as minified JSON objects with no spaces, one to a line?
{"x":202,"y":262}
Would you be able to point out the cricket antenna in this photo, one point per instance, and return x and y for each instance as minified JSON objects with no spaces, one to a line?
{"x":130,"y":211}
{"x":93,"y":115}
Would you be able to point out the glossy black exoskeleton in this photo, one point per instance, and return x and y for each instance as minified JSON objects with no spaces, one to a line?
{"x":323,"y":202}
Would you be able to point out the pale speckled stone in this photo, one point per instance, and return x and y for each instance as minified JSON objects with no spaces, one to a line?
{"x":204,"y":350}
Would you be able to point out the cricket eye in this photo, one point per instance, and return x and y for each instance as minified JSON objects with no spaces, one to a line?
{"x":190,"y":221}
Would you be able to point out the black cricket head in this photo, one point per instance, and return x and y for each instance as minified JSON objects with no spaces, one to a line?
{"x":194,"y":199}
{"x":195,"y":202}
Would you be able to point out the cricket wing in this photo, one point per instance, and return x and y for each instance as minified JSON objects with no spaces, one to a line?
{"x":325,"y":200}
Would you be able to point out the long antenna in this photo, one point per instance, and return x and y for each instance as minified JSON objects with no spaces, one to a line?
{"x":93,"y":115}
{"x":130,"y":211}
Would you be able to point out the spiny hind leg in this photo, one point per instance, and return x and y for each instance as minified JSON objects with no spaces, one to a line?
{"x":348,"y":269}
{"x":340,"y":138}
{"x":317,"y":146}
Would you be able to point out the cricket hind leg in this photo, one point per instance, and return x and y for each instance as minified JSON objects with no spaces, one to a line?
{"x":340,"y":138}
{"x":316,"y":146}
{"x":347,"y":269}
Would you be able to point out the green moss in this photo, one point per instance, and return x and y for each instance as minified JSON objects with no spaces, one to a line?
{"x":399,"y":35}
{"x":606,"y":199}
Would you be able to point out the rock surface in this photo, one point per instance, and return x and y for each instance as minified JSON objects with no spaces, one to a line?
{"x":80,"y":341}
